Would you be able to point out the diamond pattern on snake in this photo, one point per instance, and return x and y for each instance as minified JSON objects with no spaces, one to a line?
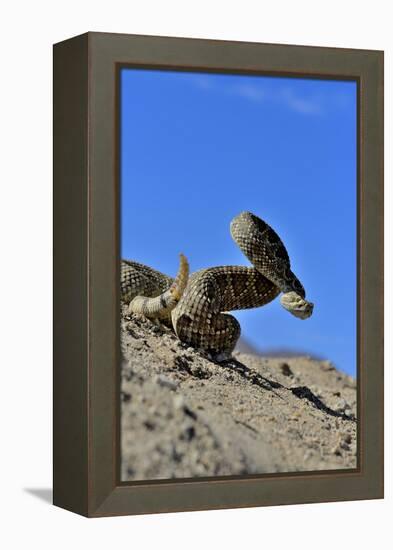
{"x":197,"y":305}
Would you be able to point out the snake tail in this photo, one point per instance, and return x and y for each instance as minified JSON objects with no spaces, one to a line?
{"x":161,"y":306}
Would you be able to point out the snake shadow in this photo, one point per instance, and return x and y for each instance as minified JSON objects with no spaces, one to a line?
{"x":249,"y":374}
{"x":301,"y":392}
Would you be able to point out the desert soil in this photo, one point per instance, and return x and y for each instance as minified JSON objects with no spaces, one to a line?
{"x":184,"y":415}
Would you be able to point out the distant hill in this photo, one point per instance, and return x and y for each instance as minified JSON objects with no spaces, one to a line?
{"x":245,"y":346}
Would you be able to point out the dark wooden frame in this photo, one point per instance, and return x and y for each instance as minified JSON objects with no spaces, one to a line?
{"x":86,"y":264}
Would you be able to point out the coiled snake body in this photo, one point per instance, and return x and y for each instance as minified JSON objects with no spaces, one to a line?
{"x":196,"y":305}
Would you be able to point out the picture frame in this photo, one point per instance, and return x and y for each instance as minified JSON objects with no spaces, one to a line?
{"x":86,"y":274}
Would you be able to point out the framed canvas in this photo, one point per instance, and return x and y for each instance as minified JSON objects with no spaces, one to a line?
{"x":247,"y":373}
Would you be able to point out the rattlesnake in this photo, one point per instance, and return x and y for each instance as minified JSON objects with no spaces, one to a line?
{"x":196,"y":305}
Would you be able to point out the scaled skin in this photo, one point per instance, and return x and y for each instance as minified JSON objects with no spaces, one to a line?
{"x":196,"y":306}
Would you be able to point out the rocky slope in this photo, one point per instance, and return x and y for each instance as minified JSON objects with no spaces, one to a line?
{"x":183,"y":415}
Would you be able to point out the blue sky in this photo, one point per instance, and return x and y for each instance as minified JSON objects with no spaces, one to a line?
{"x":197,"y":149}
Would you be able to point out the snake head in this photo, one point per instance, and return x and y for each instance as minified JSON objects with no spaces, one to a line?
{"x":295,"y":304}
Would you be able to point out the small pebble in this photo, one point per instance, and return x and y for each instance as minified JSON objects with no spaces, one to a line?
{"x":342,"y":404}
{"x":138,"y":345}
{"x":286,"y":369}
{"x":166,"y":382}
{"x":307,"y":455}
{"x":178,"y":402}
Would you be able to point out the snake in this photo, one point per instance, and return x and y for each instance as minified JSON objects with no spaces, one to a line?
{"x":197,"y":306}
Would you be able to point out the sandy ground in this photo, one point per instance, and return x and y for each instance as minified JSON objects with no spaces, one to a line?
{"x":183,"y":415}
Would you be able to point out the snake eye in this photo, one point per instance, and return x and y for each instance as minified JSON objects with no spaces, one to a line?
{"x":260,"y":224}
{"x":299,"y":287}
